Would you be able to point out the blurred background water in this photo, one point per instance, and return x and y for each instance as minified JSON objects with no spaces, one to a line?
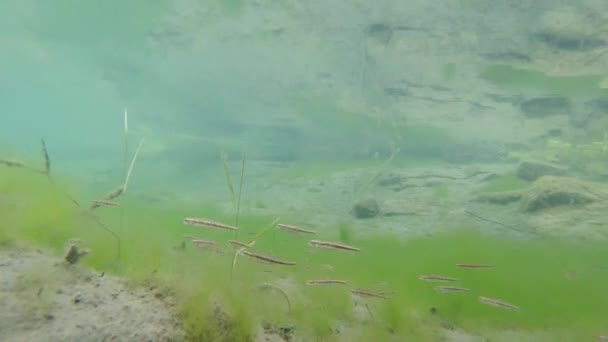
{"x":456,"y":82}
{"x":411,"y":118}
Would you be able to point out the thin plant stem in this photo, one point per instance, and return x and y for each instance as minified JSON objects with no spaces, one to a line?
{"x":141,"y":142}
{"x":238,"y":202}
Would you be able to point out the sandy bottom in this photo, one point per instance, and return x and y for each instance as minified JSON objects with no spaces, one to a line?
{"x":44,"y":299}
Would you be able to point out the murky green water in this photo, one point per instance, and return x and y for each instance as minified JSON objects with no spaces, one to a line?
{"x":396,"y":132}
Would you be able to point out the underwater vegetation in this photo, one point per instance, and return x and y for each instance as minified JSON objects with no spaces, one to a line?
{"x":387,"y":288}
{"x":233,"y":275}
{"x":519,"y":78}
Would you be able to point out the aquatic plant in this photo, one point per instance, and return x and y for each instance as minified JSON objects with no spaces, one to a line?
{"x":382,"y":288}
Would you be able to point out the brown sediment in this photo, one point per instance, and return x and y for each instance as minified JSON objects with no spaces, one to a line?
{"x":498,"y":303}
{"x":368,"y":293}
{"x":267,"y":259}
{"x":204,"y":223}
{"x":294,"y":229}
{"x":332,"y":245}
{"x":436,"y":278}
{"x":324,"y":282}
{"x":447,"y":289}
{"x":473,"y":265}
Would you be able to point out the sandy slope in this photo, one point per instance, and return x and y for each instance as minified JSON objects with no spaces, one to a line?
{"x":44,"y":299}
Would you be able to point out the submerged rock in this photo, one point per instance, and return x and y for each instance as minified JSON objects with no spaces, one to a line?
{"x":572,"y":28}
{"x":532,"y":170}
{"x":73,"y":255}
{"x":366,"y":208}
{"x":540,"y":107}
{"x":503,"y":197}
{"x":552,"y":191}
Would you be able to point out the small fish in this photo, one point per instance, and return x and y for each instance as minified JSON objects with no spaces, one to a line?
{"x":332,"y":245}
{"x":267,"y":259}
{"x":368,"y":293}
{"x":105,"y":203}
{"x":294,"y":229}
{"x":498,"y":303}
{"x":12,"y":163}
{"x":436,"y":278}
{"x":204,"y":223}
{"x":237,"y":243}
{"x":324,"y":282}
{"x":201,"y":242}
{"x":473,"y":265}
{"x":447,"y":289}
{"x":327,"y":267}
{"x":114,"y":193}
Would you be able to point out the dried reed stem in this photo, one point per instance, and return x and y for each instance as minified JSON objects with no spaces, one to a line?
{"x":394,"y":151}
{"x":47,"y":160}
{"x":141,"y":142}
{"x":224,"y":158}
{"x":268,"y":286}
{"x":106,"y":228}
{"x":294,"y":229}
{"x":126,"y":144}
{"x":332,"y":245}
{"x":205,"y":223}
{"x":238,"y":202}
{"x":257,"y":236}
{"x":502,"y":224}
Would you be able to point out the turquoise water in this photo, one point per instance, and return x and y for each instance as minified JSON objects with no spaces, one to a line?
{"x":422,"y":112}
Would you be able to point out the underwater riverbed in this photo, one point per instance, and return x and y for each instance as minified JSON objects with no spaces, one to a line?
{"x":314,"y":282}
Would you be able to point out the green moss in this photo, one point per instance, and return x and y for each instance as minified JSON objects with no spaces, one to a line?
{"x":441,"y":191}
{"x":508,"y":182}
{"x":345,"y":232}
{"x":518,"y":79}
{"x":448,"y":71}
{"x":559,"y":285}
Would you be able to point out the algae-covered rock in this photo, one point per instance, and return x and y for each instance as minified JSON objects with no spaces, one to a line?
{"x":540,"y":107}
{"x":532,"y":170}
{"x":552,"y":191}
{"x":573,"y":28}
{"x":366,"y":208}
{"x":503,"y":197}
